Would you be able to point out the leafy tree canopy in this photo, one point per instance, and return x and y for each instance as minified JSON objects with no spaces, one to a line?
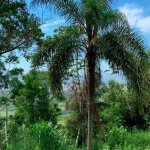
{"x":32,"y":99}
{"x":18,"y":28}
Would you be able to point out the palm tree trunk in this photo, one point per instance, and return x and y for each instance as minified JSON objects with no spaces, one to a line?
{"x":91,"y":89}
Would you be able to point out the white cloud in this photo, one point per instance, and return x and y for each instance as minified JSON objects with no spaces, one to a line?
{"x":144,"y":24}
{"x":132,"y":13}
{"x":136,"y":18}
{"x":47,"y":25}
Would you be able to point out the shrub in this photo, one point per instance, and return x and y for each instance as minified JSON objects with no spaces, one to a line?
{"x":117,"y":137}
{"x":47,"y":137}
{"x":42,"y":136}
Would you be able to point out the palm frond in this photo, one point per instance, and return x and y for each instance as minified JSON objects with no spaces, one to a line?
{"x":43,"y":52}
{"x":69,"y":9}
{"x":117,"y":29}
{"x":125,"y":51}
{"x":68,"y":43}
{"x":112,"y":19}
{"x":58,"y":63}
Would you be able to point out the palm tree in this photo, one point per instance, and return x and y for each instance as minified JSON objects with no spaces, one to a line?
{"x":99,"y":32}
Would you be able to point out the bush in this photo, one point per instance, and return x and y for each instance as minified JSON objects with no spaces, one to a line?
{"x":42,"y":136}
{"x":117,"y":137}
{"x":47,"y":137}
{"x":120,"y":139}
{"x":138,"y":140}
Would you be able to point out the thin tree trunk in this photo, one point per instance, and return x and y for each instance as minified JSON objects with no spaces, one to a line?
{"x":77,"y":138}
{"x":91,"y":90}
{"x":6,"y":136}
{"x":0,"y":141}
{"x":79,"y":130}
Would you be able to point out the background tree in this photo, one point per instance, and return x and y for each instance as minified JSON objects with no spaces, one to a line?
{"x":98,"y":31}
{"x":7,"y":75}
{"x":18,"y":29}
{"x":32,"y":100}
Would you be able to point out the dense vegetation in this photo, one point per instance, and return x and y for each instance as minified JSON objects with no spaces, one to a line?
{"x":90,"y":114}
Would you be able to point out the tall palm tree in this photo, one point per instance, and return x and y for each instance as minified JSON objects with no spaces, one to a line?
{"x":100,"y":32}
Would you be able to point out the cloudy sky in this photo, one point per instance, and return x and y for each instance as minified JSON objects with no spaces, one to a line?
{"x":136,"y":11}
{"x":138,"y":14}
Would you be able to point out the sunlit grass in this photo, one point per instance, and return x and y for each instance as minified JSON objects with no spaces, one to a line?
{"x":64,"y":114}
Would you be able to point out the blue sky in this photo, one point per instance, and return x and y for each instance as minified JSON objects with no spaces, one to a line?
{"x":136,"y":11}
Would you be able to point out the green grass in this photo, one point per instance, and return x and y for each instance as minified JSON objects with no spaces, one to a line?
{"x":64,"y":113}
